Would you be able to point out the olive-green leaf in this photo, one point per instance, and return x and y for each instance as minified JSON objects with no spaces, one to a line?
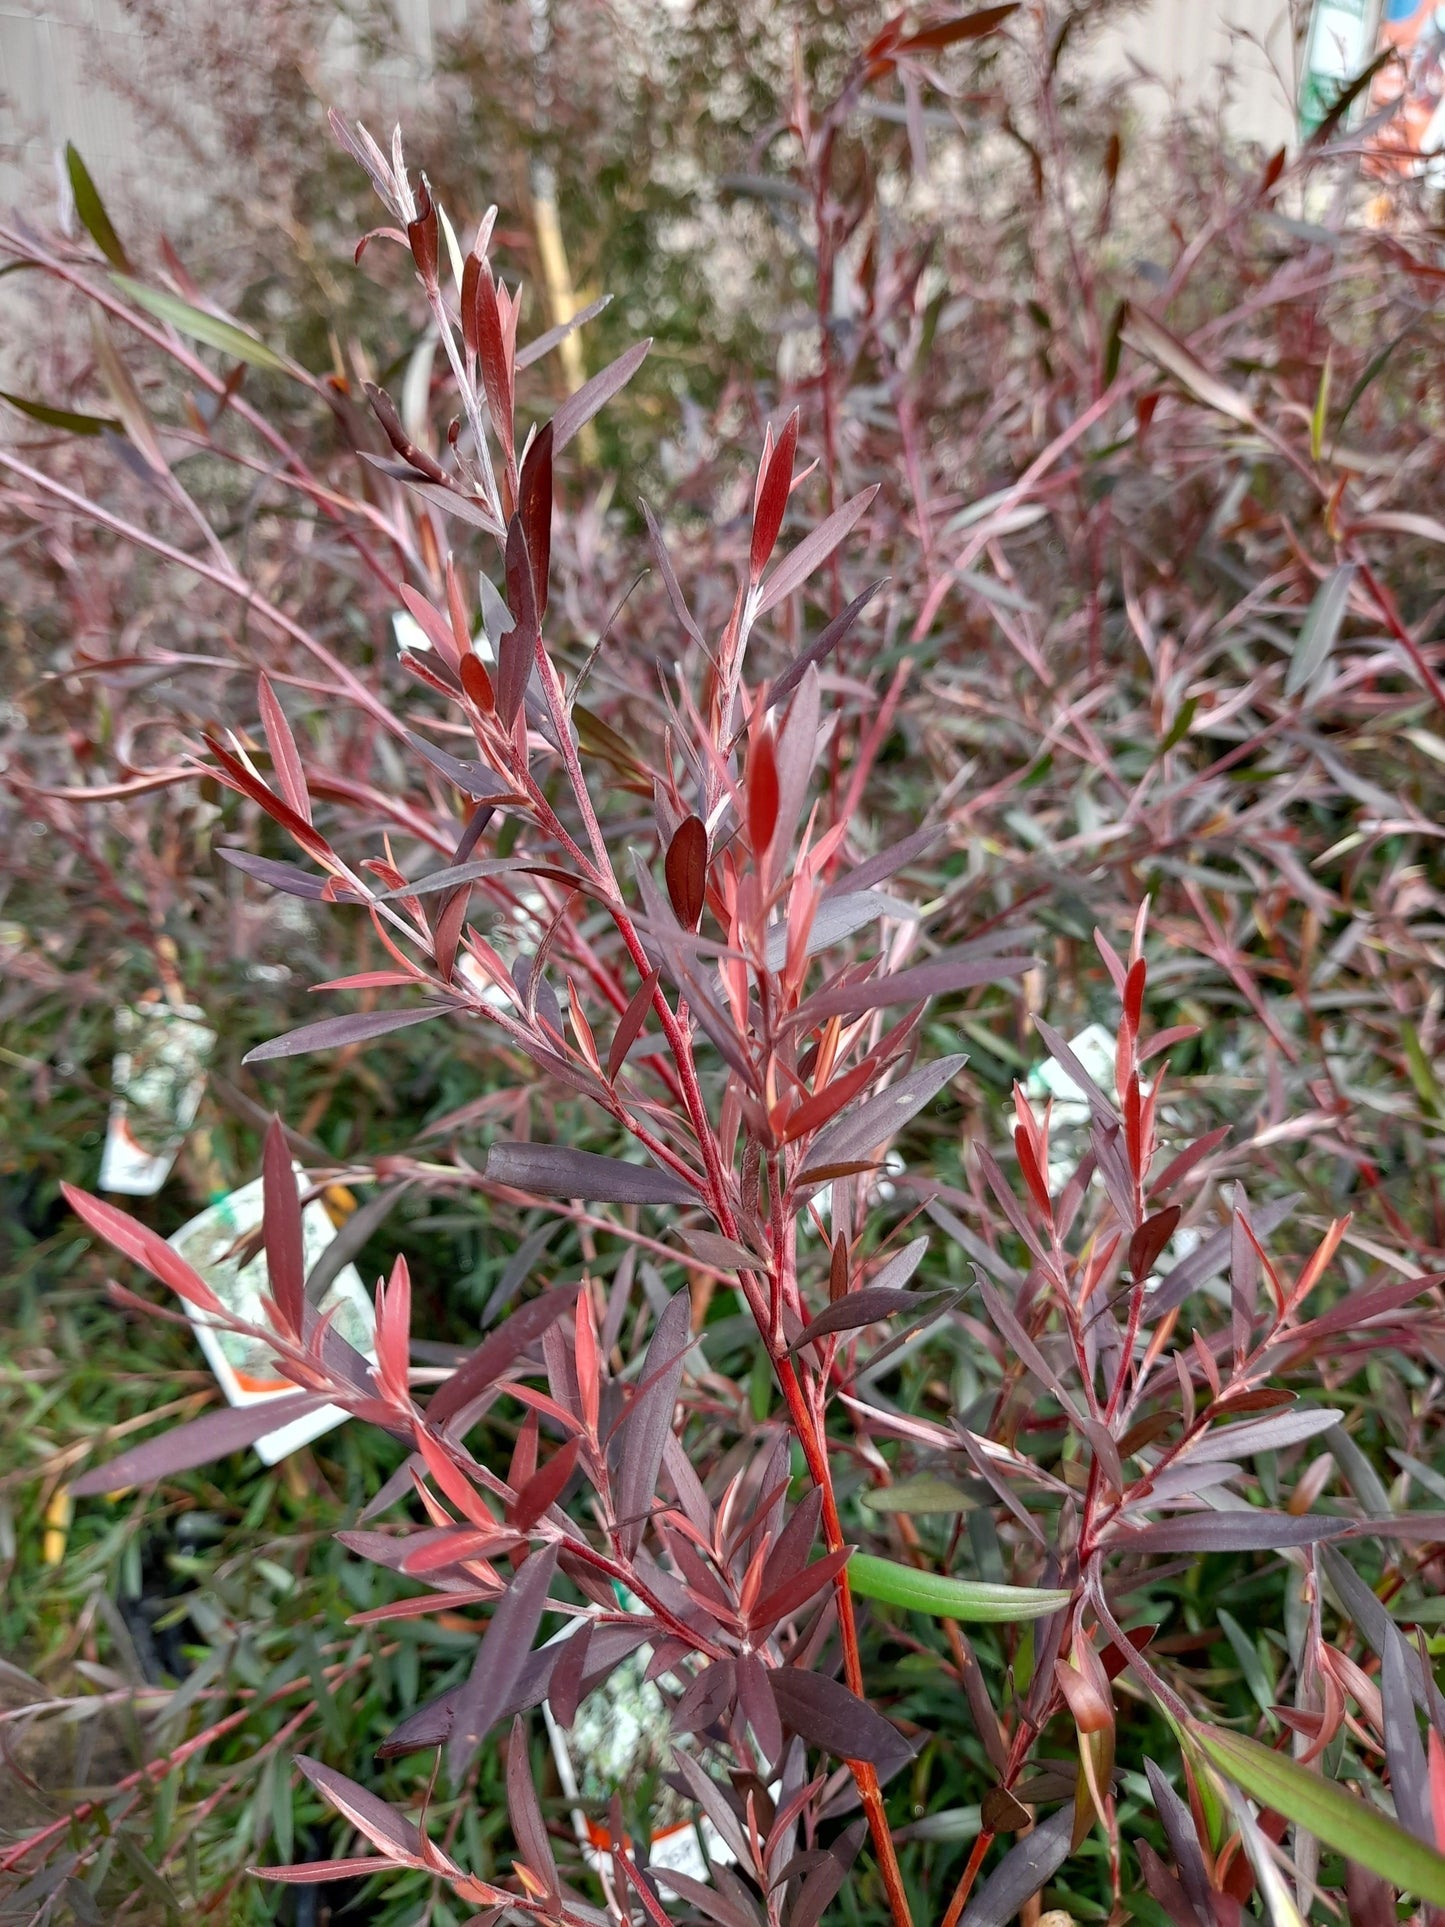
{"x":65,"y":418}
{"x":929,"y":1592}
{"x":203,"y":326}
{"x":924,"y":1493}
{"x":91,"y":209}
{"x":1352,"y":1827}
{"x":1319,"y":629}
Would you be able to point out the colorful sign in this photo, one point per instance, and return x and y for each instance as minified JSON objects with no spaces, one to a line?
{"x":1412,"y":140}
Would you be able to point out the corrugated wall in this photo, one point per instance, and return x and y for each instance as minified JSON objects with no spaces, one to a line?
{"x":56,"y":55}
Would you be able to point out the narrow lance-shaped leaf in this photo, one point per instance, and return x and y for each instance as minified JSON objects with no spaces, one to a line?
{"x":331,"y":1033}
{"x":144,"y":1246}
{"x":497,"y":1351}
{"x":202,"y":326}
{"x":945,"y":1598}
{"x":1319,"y":629}
{"x":1249,"y":1529}
{"x":866,"y":1306}
{"x":281,"y":1229}
{"x":1263,"y":1434}
{"x":937,"y":979}
{"x":813,"y":551}
{"x":629,"y":1024}
{"x":878,"y":1118}
{"x":67,"y":419}
{"x":578,"y":409}
{"x":503,"y":1652}
{"x":824,"y":1711}
{"x":1024,"y":1870}
{"x":528,"y":1827}
{"x":649,"y":1418}
{"x":557,"y":1171}
{"x":383,"y":1826}
{"x":1349,"y":1825}
{"x":210,"y":1437}
{"x":823,"y":645}
{"x":91,"y":210}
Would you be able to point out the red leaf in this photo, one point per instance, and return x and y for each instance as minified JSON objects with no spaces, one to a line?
{"x":1149,"y":1240}
{"x":494,"y":359}
{"x":967,"y":26}
{"x":774,"y":484}
{"x":762,"y":787}
{"x":545,"y":1486}
{"x":497,"y":1351}
{"x":281,"y":1229}
{"x":685,"y":868}
{"x":284,"y":756}
{"x":477,"y":683}
{"x":500,"y":1658}
{"x":144,"y":1246}
{"x":813,"y":550}
{"x":633,"y":1018}
{"x":825,"y":1712}
{"x":794,"y":1593}
{"x":396,"y":1837}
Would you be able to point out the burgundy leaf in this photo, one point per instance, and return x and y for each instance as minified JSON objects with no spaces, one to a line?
{"x":1262,"y":1434}
{"x":1207,"y":1260}
{"x":497,"y":1351}
{"x":312,"y":1873}
{"x":755,"y":1696}
{"x":669,"y":578}
{"x":775,"y":484}
{"x":790,"y":1552}
{"x":546,"y":1485}
{"x":579,"y":409}
{"x":1249,"y":1530}
{"x":212,"y":1436}
{"x":714,"y":1803}
{"x":516,"y":648}
{"x":281,"y":1228}
{"x":470,"y":778}
{"x":824,"y":1711}
{"x":878,"y":1118}
{"x":724,"y":1909}
{"x":534,"y":511}
{"x":357,"y":1027}
{"x":528,"y":1828}
{"x":897,"y":857}
{"x":1405,"y":1756}
{"x":937,"y":979}
{"x":501,"y":1656}
{"x":290,"y":773}
{"x":707,"y":1698}
{"x":762,"y":789}
{"x":457,"y":876}
{"x":1150,"y":1239}
{"x":794,"y":1593}
{"x":824,"y":1882}
{"x":967,"y":26}
{"x":286,"y":877}
{"x":821,"y":647}
{"x":813,"y":551}
{"x":1183,"y":1840}
{"x":1027,"y":1866}
{"x":649,"y":1418}
{"x":564,"y":1694}
{"x":685,"y":871}
{"x":863,"y":1307}
{"x":557,"y":1171}
{"x":385,"y":1828}
{"x":554,"y":337}
{"x":143,"y":1247}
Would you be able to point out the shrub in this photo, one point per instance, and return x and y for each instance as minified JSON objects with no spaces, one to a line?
{"x":1094,"y":1472}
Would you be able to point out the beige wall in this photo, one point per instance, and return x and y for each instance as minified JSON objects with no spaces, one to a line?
{"x":56,"y":54}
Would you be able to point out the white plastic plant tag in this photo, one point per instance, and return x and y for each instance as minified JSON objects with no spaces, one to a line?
{"x":620,"y":1742}
{"x":242,"y":1365}
{"x":158,"y":1078}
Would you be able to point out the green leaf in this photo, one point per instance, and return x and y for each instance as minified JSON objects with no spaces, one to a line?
{"x":925,"y":1493}
{"x":91,"y":209}
{"x":1251,"y":1664}
{"x":1359,"y":1831}
{"x":65,"y":418}
{"x":1322,"y":408}
{"x":928,"y":1592}
{"x":1319,"y":629}
{"x":202,"y":326}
